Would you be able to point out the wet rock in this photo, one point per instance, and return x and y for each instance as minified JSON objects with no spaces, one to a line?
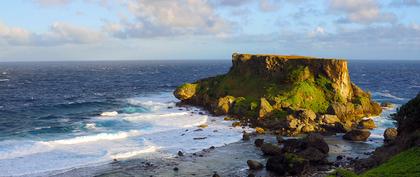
{"x":203,"y":126}
{"x":259,"y":142}
{"x":317,"y":141}
{"x":254,"y":165}
{"x":215,"y":175}
{"x":199,"y":138}
{"x":366,"y":124}
{"x":197,"y":130}
{"x":251,"y":175}
{"x":279,"y":139}
{"x":246,"y":136}
{"x":223,"y":105}
{"x":271,"y":149}
{"x":293,"y":145}
{"x":180,"y":153}
{"x":390,"y":134}
{"x":339,"y":157}
{"x":357,"y":135}
{"x":387,"y":105}
{"x":313,"y":154}
{"x":176,"y":169}
{"x":228,"y":118}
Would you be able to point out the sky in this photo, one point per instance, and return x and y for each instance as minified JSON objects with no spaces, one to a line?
{"x":62,"y":30}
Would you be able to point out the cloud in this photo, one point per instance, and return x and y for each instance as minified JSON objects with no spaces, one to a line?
{"x":231,"y":2}
{"x":58,"y":34}
{"x":169,"y":17}
{"x":361,"y":11}
{"x":269,"y":5}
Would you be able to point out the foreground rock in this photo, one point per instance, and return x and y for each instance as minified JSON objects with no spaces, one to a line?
{"x":287,"y":94}
{"x":287,"y":164}
{"x":254,"y":165}
{"x":357,"y":135}
{"x":405,"y":137}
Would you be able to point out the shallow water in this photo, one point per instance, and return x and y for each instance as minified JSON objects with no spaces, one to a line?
{"x":55,"y":116}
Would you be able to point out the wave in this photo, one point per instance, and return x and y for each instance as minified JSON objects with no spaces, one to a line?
{"x":387,"y":95}
{"x":129,"y":154}
{"x":4,"y":80}
{"x":97,"y":137}
{"x":109,"y":114}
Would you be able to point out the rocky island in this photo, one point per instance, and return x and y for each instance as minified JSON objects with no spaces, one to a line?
{"x":288,"y":95}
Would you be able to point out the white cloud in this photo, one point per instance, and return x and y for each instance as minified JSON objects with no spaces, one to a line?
{"x":59,"y":33}
{"x":269,"y":5}
{"x":170,"y":17}
{"x":361,"y":11}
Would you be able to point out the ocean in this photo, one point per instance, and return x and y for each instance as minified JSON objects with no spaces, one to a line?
{"x":55,"y":116}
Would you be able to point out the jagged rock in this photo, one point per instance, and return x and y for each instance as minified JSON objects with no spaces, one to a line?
{"x":366,"y":124}
{"x":305,"y":115}
{"x":264,"y":89}
{"x":387,"y":105}
{"x":308,"y":128}
{"x":329,"y":119}
{"x":287,"y":164}
{"x":293,"y":145}
{"x":259,"y":142}
{"x":236,"y":124}
{"x":271,"y":149}
{"x":223,"y":105}
{"x":357,"y":135}
{"x":186,"y":91}
{"x":265,"y":108}
{"x":254,"y":165}
{"x":390,"y":134}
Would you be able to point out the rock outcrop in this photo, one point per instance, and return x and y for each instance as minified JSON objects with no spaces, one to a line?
{"x":290,"y":94}
{"x":405,"y":137}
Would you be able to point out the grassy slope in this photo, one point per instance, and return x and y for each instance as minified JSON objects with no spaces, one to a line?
{"x":405,"y":164}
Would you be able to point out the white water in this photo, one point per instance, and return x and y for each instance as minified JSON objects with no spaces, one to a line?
{"x":112,"y":135}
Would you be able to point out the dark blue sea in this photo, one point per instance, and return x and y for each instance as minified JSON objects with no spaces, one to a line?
{"x":83,"y":113}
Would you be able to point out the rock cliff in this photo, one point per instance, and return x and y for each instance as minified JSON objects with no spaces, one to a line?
{"x":289,"y":94}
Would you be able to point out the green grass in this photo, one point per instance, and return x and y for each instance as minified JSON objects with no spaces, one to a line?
{"x":405,"y":164}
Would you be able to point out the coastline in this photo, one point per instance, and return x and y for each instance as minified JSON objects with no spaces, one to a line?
{"x":226,"y":160}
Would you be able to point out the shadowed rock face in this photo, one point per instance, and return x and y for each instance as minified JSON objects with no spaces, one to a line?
{"x":273,"y":90}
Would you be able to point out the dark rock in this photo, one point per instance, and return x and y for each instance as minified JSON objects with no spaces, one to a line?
{"x":287,"y":164}
{"x":251,"y":175}
{"x":271,"y":149}
{"x":390,"y":134}
{"x":180,"y":153}
{"x":212,"y":147}
{"x":313,"y":154}
{"x":357,"y":135}
{"x":254,"y":165}
{"x":259,"y":142}
{"x":215,"y":175}
{"x":199,"y":138}
{"x":246,"y":136}
{"x":293,"y":145}
{"x":317,"y":141}
{"x":176,"y":169}
{"x":339,"y":157}
{"x":280,"y":139}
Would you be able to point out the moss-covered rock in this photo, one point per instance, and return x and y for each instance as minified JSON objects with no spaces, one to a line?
{"x":264,"y":89}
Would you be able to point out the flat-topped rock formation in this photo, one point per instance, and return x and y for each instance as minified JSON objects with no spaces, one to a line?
{"x":289,"y":94}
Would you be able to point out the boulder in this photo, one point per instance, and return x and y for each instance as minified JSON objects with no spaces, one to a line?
{"x":338,"y":127}
{"x":313,"y":154}
{"x":329,"y":119}
{"x":366,"y":124}
{"x":259,"y":142}
{"x":287,"y":164}
{"x":293,"y":145}
{"x":357,"y":135}
{"x":390,"y":134}
{"x":223,"y":105}
{"x":265,"y":108}
{"x":317,"y":141}
{"x":279,"y":139}
{"x":254,"y":165}
{"x":306,"y":115}
{"x":271,"y":149}
{"x":236,"y":124}
{"x":387,"y":105}
{"x":186,"y":91}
